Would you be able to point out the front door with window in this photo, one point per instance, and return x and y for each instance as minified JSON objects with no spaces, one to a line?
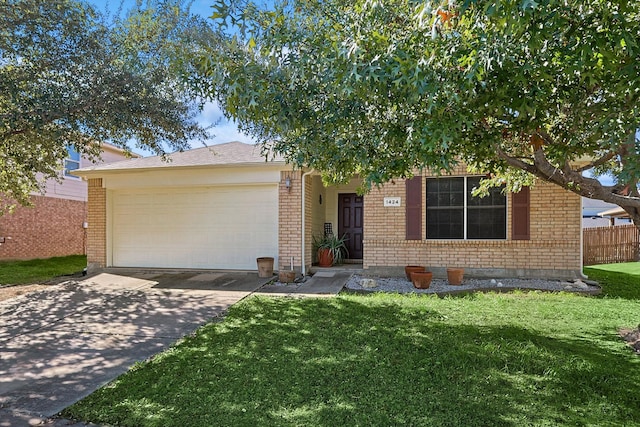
{"x":350,"y":208}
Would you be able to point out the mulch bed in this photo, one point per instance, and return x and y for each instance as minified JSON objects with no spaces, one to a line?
{"x":632,"y":338}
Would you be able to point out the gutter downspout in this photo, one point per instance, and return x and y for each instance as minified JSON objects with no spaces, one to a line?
{"x":582,"y":275}
{"x":302,"y":263}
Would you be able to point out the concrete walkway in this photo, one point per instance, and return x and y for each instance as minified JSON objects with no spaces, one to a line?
{"x":321,"y":284}
{"x":59,"y":345}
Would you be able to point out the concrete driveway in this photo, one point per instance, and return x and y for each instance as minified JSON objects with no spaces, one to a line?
{"x":59,"y":345}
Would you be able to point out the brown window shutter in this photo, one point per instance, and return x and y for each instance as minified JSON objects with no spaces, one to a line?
{"x":414,"y":208}
{"x":520,"y":215}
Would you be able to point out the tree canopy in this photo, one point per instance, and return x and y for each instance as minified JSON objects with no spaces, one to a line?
{"x":71,"y":77}
{"x":519,"y":88}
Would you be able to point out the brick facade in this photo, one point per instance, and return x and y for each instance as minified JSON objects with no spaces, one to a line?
{"x":552,"y":251}
{"x":51,"y":227}
{"x":290,"y":220}
{"x":97,"y":231}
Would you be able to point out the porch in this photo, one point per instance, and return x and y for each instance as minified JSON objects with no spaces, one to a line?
{"x":308,"y":208}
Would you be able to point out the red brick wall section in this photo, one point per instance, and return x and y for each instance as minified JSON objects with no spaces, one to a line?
{"x":51,"y":227}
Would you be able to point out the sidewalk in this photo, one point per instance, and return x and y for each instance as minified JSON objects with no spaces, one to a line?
{"x":321,"y":284}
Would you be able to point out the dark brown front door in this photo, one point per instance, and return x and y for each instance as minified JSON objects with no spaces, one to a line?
{"x":350,"y":223}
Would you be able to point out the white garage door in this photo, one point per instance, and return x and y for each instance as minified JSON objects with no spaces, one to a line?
{"x":209,"y":227}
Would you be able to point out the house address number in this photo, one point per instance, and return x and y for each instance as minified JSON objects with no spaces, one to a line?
{"x":391,"y":201}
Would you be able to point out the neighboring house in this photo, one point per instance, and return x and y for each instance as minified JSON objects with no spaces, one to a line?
{"x":223,"y":206}
{"x":616,"y":216}
{"x":56,"y":223}
{"x":591,"y":214}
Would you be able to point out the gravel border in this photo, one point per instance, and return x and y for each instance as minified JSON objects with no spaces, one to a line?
{"x":469,"y":285}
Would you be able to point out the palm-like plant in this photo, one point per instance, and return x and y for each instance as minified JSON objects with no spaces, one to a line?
{"x":335,"y":245}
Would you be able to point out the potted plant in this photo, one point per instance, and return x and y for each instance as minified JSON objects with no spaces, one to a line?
{"x":330,"y":249}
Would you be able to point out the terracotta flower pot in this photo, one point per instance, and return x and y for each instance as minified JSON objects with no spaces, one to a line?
{"x":421,"y":279}
{"x":286,"y":276}
{"x":411,"y":268}
{"x":265,"y":266}
{"x":455,"y":276}
{"x":325,"y":258}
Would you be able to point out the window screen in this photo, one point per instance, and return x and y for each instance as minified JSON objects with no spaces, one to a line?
{"x":454,"y":213}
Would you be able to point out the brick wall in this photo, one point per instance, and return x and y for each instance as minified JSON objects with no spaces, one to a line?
{"x":290,"y":220}
{"x":51,"y":227}
{"x":553,"y":250}
{"x":97,"y":231}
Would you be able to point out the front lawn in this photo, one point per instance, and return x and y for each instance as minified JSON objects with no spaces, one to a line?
{"x":40,"y":270}
{"x":487,"y":359}
{"x":617,"y":280}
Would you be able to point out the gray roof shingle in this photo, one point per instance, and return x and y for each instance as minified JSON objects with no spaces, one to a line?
{"x":230,"y":153}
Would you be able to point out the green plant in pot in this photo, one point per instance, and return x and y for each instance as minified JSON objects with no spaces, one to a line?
{"x":330,"y":249}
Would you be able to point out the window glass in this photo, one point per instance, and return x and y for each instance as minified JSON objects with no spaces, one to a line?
{"x":448,"y":201}
{"x":486,"y":216}
{"x":445,"y":208}
{"x":72,"y":162}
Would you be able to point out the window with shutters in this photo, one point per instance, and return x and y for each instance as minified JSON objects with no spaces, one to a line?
{"x":454,"y":213}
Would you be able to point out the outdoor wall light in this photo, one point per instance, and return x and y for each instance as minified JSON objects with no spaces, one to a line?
{"x":287,"y":183}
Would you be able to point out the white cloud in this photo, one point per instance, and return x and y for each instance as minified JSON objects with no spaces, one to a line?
{"x":223,"y":130}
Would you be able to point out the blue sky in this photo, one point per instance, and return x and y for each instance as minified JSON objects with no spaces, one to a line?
{"x":224,"y":131}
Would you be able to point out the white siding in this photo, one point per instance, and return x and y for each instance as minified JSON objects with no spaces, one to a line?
{"x":75,"y":188}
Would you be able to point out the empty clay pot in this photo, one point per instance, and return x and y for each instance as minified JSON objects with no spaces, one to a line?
{"x":421,"y":279}
{"x":411,"y":268}
{"x":455,"y":276}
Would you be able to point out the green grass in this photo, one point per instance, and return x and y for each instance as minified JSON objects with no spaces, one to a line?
{"x":617,"y":280}
{"x":517,"y":359}
{"x":39,"y":270}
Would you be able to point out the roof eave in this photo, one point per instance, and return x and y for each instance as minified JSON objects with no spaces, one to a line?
{"x":89,"y":172}
{"x":614,"y":213}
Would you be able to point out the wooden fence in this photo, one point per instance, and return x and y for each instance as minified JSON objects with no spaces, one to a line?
{"x":604,"y":245}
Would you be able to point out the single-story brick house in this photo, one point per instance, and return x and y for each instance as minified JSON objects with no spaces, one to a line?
{"x":223,"y":206}
{"x":55,"y":223}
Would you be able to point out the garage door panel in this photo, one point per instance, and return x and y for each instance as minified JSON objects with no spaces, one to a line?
{"x":210,"y":227}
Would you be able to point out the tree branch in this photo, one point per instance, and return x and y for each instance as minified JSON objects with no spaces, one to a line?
{"x":573,"y":180}
{"x":598,"y":162}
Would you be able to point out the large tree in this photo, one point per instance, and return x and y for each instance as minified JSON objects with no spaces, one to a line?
{"x":70,"y":76}
{"x":519,"y":88}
